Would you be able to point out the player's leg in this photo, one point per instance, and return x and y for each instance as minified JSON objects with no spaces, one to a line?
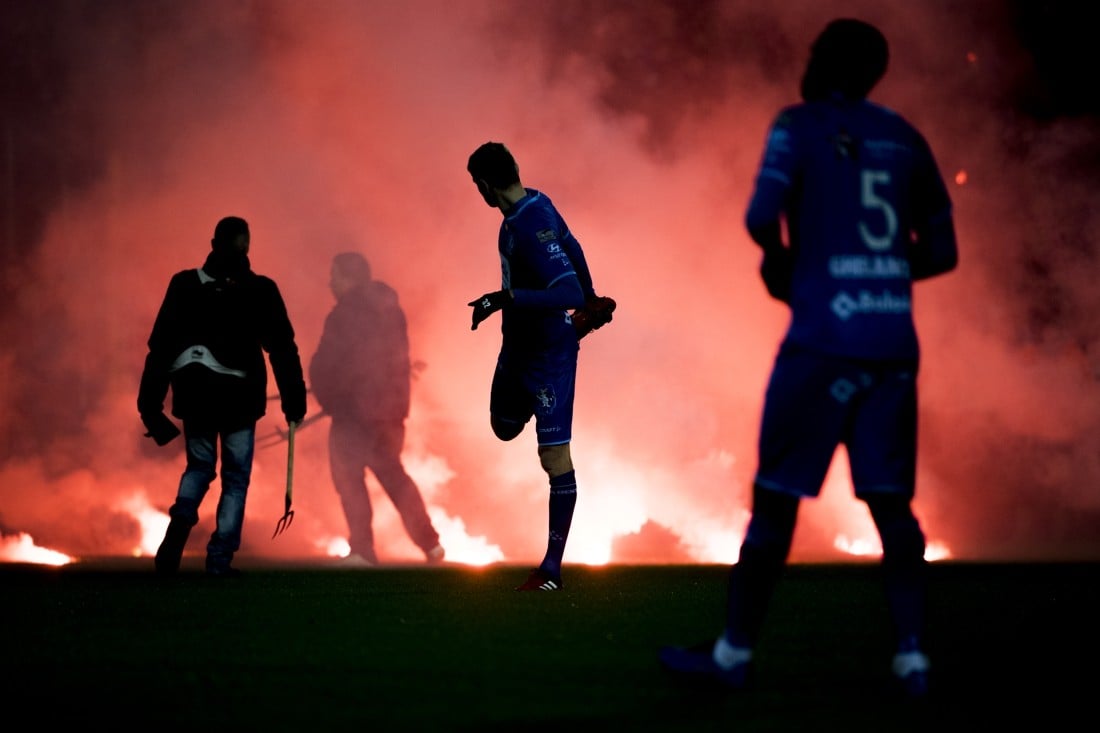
{"x":347,"y":447}
{"x":553,"y":389}
{"x":558,"y":464}
{"x":763,"y":556}
{"x":752,"y":582}
{"x":805,"y":411}
{"x":905,"y":583}
{"x":510,"y":403}
{"x":801,"y":426}
{"x":904,"y":567}
{"x":882,"y":449}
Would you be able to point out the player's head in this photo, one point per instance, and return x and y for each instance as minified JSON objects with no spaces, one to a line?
{"x":349,"y":270}
{"x":231,"y":235}
{"x":492,"y":167}
{"x":848,"y":58}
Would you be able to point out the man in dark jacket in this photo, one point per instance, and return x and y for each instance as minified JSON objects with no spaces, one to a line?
{"x":360,"y":376}
{"x":208,"y":343}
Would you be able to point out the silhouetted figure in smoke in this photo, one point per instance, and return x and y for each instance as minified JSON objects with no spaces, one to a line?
{"x":208,"y":344}
{"x":361,"y":376}
{"x":866,"y":214}
{"x":544,"y":276}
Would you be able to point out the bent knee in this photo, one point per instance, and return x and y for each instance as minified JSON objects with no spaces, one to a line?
{"x":555,"y":459}
{"x":505,"y":430}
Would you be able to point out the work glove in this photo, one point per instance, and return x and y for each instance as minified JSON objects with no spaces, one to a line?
{"x":162,"y":430}
{"x":595,"y":313}
{"x":488,"y":304}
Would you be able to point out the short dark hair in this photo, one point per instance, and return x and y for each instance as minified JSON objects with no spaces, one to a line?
{"x":494,"y":164}
{"x":227,"y":231}
{"x":849,"y":58}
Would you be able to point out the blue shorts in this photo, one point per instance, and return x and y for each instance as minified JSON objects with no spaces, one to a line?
{"x":816,"y":402}
{"x":542,"y":387}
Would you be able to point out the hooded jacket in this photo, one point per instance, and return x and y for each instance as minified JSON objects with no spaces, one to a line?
{"x":361,"y":369}
{"x":208,"y":344}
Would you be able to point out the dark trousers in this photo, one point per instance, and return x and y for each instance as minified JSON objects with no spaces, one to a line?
{"x":355,"y":447}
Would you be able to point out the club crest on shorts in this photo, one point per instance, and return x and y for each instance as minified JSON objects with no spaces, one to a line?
{"x":546,"y":398}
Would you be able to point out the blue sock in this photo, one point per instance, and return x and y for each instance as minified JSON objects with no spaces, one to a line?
{"x":563,"y":497}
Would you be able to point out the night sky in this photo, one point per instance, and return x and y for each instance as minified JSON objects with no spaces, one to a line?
{"x":129,"y":129}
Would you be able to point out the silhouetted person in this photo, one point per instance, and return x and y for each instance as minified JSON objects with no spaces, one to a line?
{"x":544,"y":278}
{"x":866,"y":213}
{"x":208,"y":343}
{"x":361,"y":376}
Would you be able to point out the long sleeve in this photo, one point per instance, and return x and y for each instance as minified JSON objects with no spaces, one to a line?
{"x":286,"y":362}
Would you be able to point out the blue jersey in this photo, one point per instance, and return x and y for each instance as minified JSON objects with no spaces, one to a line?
{"x":543,"y":265}
{"x":855,"y":183}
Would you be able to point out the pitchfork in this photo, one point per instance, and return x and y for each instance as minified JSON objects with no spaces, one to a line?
{"x":288,"y":515}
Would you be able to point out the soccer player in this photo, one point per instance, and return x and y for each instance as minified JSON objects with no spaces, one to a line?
{"x":208,"y":343}
{"x":544,"y":277}
{"x":866,"y":213}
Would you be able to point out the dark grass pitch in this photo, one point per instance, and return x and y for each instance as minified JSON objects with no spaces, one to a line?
{"x":109,"y":644}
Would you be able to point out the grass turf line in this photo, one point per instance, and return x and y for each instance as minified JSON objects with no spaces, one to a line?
{"x":455,"y":648}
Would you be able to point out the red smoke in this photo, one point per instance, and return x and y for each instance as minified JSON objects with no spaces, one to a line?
{"x":341,"y":125}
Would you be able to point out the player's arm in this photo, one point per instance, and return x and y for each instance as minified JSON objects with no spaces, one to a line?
{"x":933,"y":248}
{"x":763,"y":219}
{"x":564,"y":293}
{"x":548,"y":249}
{"x":572,"y":247}
{"x":777,"y":264}
{"x":774,"y":181}
{"x":598,"y":310}
{"x":764,"y":226}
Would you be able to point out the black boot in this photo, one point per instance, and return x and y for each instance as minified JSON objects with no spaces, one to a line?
{"x":171,"y":547}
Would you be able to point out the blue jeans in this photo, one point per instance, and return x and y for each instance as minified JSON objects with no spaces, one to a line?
{"x":238,"y":448}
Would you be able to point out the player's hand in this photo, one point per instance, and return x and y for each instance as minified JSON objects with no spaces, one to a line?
{"x":162,"y":430}
{"x":777,"y":270}
{"x":597,"y":312}
{"x":487,"y":305}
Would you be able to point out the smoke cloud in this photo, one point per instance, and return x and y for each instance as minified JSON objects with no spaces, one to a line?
{"x":130,"y":129}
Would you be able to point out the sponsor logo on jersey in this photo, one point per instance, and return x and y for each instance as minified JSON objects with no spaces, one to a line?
{"x":887,"y":149}
{"x":845,"y":305}
{"x":842,"y":390}
{"x":546,"y":235}
{"x":869,"y":266}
